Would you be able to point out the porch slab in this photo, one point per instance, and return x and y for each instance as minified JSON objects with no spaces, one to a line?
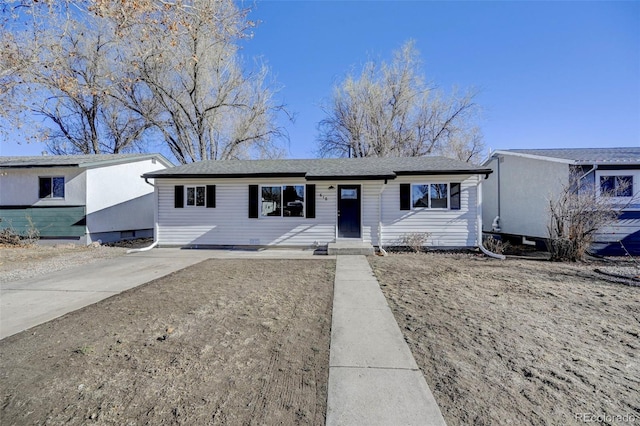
{"x":346,"y":247}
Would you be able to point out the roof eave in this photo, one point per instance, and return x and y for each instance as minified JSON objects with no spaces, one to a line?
{"x":445,"y":172}
{"x":350,"y":177}
{"x":219,"y":175}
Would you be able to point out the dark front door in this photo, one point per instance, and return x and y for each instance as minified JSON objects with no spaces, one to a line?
{"x":349,"y":211}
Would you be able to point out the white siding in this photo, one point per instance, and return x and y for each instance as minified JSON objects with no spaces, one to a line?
{"x":448,"y":228}
{"x":20,"y":187}
{"x":228,"y":223}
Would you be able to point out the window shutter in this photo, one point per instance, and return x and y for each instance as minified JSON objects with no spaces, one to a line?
{"x":253,"y":201}
{"x":178,"y":199}
{"x":405,"y":196}
{"x":211,"y":196}
{"x":455,"y":196}
{"x":310,"y":201}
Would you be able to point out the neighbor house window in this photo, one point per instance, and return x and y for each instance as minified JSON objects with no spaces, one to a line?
{"x":430,"y":195}
{"x":282,"y":200}
{"x":196,"y":196}
{"x":616,"y":186}
{"x":51,"y":187}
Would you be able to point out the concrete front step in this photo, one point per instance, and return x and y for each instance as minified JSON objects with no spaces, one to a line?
{"x":350,"y":248}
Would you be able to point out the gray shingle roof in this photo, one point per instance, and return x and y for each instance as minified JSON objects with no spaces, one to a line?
{"x":76,"y":160}
{"x":587,"y":155}
{"x":321,"y":169}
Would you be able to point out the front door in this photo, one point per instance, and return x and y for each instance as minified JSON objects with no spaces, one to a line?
{"x":349,"y":211}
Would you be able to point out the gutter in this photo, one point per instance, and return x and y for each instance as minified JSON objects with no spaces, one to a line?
{"x":479,"y":225}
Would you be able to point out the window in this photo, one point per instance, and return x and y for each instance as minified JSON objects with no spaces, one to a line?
{"x":285,"y":200}
{"x":430,"y":195}
{"x":617,"y":186}
{"x":51,"y":187}
{"x":196,"y":196}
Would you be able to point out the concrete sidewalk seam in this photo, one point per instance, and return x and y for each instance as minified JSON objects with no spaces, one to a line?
{"x":374,"y":368}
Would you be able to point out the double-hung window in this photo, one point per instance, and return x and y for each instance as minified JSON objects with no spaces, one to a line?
{"x":196,"y":196}
{"x":282,"y":200}
{"x":51,"y":187}
{"x":616,"y":186}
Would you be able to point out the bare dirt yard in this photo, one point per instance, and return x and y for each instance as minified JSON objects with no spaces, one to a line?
{"x":222,"y":342}
{"x":518,"y":341}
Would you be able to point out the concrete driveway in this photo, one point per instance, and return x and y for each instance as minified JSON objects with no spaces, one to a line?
{"x":29,"y":302}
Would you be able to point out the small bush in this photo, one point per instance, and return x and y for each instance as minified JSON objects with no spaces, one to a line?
{"x":415,"y":240}
{"x":495,"y":245}
{"x":9,"y":236}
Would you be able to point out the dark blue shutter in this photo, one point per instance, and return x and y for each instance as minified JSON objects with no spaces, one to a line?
{"x":253,"y":201}
{"x":455,"y":196}
{"x":211,"y":196}
{"x":178,"y":199}
{"x":405,"y":196}
{"x":310,"y":201}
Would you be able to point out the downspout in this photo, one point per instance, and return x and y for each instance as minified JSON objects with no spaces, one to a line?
{"x":155,"y":223}
{"x":382,"y":250}
{"x":479,"y":225}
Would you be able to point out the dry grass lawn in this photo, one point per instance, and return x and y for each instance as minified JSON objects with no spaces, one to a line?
{"x":516,"y":341}
{"x":222,"y":342}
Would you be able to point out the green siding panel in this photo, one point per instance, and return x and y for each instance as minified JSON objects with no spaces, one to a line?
{"x":50,"y":221}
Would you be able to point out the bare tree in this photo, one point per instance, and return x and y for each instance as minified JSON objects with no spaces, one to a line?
{"x":577,"y":213}
{"x":107,"y":75}
{"x":60,"y":80}
{"x":209,"y":106}
{"x":389,"y":110}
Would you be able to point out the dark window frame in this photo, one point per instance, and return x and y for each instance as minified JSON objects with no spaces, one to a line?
{"x":49,"y":190}
{"x":612,"y":183}
{"x":281,"y":208}
{"x":429,"y":191}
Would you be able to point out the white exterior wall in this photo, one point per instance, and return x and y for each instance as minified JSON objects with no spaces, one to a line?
{"x":525,"y":187}
{"x":448,"y":228}
{"x":20,"y":187}
{"x":118,"y":199}
{"x":228,"y":223}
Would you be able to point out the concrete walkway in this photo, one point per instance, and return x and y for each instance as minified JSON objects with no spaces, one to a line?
{"x":27,"y":303}
{"x":373,"y":377}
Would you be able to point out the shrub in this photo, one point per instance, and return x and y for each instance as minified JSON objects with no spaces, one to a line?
{"x":495,"y":245}
{"x":414,"y":240}
{"x":575,"y":216}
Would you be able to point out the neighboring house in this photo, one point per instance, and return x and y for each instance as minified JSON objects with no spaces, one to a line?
{"x":314,"y":202}
{"x":80,"y":198}
{"x":524,"y":180}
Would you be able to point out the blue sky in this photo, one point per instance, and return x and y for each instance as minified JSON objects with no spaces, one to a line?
{"x":551,"y":74}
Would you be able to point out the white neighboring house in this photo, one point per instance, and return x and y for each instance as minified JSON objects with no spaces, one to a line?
{"x":524,"y":180}
{"x":307,"y":203}
{"x":79,"y":198}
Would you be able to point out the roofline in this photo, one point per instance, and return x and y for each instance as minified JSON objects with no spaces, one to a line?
{"x":496,"y":153}
{"x":153,"y":175}
{"x":445,"y":172}
{"x":618,"y":164}
{"x":93,"y":164}
{"x":307,"y":177}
